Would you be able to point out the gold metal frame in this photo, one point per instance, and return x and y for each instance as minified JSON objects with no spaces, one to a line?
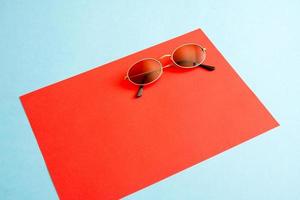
{"x":161,"y":71}
{"x":169,"y":65}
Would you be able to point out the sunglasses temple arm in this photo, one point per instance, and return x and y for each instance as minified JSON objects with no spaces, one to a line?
{"x":140,"y":91}
{"x":207,"y":67}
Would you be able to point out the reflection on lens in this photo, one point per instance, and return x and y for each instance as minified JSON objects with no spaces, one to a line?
{"x":190,"y":55}
{"x":145,"y":71}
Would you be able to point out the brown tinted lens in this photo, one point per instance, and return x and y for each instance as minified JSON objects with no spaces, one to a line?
{"x":145,"y":71}
{"x":190,"y":55}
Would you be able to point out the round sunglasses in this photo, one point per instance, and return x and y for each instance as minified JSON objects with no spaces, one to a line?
{"x":149,"y":70}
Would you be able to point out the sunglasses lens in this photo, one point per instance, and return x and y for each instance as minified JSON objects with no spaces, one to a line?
{"x":145,"y":71}
{"x":190,"y":55}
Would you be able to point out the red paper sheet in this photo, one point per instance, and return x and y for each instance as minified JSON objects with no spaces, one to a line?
{"x":99,"y":142}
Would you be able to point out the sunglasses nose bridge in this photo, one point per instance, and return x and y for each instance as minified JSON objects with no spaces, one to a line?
{"x":164,"y":56}
{"x":166,"y":63}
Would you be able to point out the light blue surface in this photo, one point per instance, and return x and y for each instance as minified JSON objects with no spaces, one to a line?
{"x":42,"y":42}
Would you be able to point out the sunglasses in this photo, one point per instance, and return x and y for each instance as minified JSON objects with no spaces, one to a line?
{"x":149,"y":70}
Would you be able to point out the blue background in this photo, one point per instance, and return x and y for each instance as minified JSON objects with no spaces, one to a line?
{"x":42,"y":42}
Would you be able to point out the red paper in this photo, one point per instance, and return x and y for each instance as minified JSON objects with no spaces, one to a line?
{"x":99,"y":142}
